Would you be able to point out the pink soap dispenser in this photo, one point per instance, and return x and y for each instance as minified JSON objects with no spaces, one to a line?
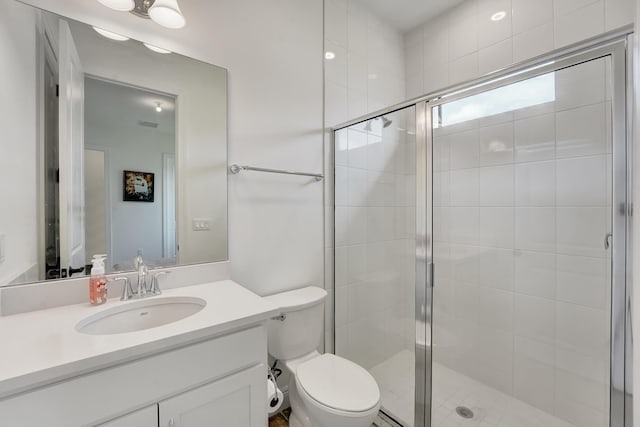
{"x":98,"y":281}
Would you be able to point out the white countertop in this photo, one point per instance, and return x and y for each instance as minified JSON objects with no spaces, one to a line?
{"x":42,"y":347}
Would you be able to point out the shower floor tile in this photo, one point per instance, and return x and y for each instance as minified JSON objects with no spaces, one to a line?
{"x":491,"y":407}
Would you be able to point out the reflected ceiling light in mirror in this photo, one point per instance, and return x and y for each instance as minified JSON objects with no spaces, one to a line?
{"x":159,"y":107}
{"x":329,"y":55}
{"x":110,"y":35}
{"x":156,"y":48}
{"x":498,"y":16}
{"x":167,"y":13}
{"x":120,"y":5}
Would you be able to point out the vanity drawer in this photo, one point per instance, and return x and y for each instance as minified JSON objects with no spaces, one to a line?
{"x":103,"y":395}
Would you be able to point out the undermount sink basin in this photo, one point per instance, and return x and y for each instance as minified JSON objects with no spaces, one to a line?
{"x":140,"y":315}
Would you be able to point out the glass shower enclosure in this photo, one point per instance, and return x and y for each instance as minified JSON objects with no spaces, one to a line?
{"x":481,"y":243}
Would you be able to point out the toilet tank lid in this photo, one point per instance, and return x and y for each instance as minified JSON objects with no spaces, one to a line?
{"x":298,"y":299}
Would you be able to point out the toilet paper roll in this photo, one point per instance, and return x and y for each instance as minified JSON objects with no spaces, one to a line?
{"x":274,"y":397}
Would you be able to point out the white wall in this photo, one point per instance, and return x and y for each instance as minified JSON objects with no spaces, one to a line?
{"x":18,"y":121}
{"x":273,"y":53}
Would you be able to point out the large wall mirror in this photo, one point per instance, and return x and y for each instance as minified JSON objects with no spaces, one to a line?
{"x":109,"y":146}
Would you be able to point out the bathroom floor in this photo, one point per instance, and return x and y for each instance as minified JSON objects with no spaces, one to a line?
{"x":281,"y":420}
{"x":491,"y":407}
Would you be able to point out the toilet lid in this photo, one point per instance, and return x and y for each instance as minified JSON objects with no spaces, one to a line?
{"x":338,"y":383}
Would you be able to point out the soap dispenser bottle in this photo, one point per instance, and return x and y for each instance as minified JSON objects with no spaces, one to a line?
{"x":98,"y":281}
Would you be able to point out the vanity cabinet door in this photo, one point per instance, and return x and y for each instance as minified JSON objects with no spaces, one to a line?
{"x":238,"y":400}
{"x":145,"y":417}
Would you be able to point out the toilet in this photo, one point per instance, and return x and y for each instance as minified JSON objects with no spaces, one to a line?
{"x":325,"y":390}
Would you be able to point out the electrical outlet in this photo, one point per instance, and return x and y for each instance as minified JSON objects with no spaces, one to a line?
{"x":2,"y":248}
{"x":201,"y":224}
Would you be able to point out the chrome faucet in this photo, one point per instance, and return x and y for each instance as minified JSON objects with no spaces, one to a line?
{"x":127,"y":292}
{"x":155,"y":288}
{"x":143,"y":289}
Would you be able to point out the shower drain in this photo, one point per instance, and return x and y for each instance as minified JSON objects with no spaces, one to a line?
{"x":464,"y":412}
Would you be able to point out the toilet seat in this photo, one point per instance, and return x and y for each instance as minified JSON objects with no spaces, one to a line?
{"x":338,"y":384}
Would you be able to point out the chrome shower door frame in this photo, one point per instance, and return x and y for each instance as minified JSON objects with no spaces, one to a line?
{"x":617,"y":48}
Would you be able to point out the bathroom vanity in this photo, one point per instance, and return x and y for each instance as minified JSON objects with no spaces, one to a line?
{"x":207,"y":369}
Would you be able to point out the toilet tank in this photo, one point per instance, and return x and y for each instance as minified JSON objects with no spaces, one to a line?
{"x":300,"y":330}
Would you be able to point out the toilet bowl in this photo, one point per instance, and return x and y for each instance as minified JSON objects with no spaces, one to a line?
{"x":325,"y":390}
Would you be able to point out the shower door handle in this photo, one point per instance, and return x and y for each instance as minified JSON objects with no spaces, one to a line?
{"x":432,"y":274}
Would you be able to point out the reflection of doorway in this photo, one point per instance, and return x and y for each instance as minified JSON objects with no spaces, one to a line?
{"x":51,"y":196}
{"x":96,"y":199}
{"x":169,"y":205}
{"x":61,"y":139}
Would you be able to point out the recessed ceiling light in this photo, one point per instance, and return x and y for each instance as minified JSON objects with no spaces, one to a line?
{"x":498,"y":15}
{"x":121,"y":5}
{"x":156,"y":48}
{"x":110,"y":35}
{"x":329,"y":55}
{"x":159,"y":107}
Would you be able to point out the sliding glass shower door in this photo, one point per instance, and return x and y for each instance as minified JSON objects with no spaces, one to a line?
{"x":522,"y":226}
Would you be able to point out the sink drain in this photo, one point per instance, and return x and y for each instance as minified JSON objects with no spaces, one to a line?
{"x":464,"y":412}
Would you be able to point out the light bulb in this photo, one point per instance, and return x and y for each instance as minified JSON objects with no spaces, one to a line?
{"x":121,"y":5}
{"x":156,"y":48}
{"x":159,"y":107}
{"x":167,"y":13}
{"x":110,"y":35}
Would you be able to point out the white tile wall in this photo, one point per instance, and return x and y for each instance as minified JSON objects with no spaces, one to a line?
{"x":367,"y":72}
{"x":464,"y":43}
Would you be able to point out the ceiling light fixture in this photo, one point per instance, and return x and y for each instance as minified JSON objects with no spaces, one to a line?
{"x":164,"y":12}
{"x":329,"y":55}
{"x":498,"y":16}
{"x":156,"y":48}
{"x":167,"y":13}
{"x":159,"y":107}
{"x":120,"y":5}
{"x":110,"y":35}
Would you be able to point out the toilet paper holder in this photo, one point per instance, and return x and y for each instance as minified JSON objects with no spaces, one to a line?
{"x":274,"y":394}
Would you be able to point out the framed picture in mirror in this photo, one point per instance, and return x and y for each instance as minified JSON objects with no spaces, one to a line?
{"x":138,"y":186}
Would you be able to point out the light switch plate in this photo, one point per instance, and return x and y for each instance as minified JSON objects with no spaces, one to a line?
{"x":201,"y":224}
{"x":2,"y":248}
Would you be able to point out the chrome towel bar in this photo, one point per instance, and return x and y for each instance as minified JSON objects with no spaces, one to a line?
{"x":234,"y":169}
